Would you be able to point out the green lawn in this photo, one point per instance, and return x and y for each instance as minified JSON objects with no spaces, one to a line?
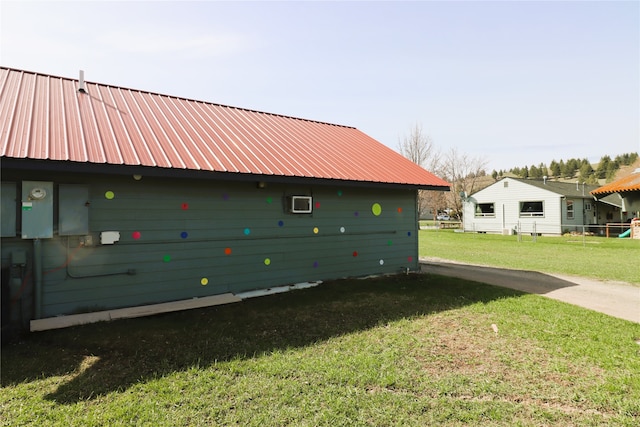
{"x":408,"y":350}
{"x":596,"y":257}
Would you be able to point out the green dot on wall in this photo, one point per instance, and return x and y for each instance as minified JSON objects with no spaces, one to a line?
{"x":166,"y":258}
{"x":109,"y":195}
{"x":376,"y":209}
{"x":269,"y":200}
{"x":267,"y":261}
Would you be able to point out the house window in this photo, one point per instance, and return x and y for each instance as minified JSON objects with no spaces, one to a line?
{"x":533,"y":208}
{"x":485,"y":210}
{"x":506,"y":184}
{"x":587,"y":206}
{"x":569,"y":209}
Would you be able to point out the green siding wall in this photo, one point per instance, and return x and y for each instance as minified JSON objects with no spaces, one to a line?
{"x":176,"y":235}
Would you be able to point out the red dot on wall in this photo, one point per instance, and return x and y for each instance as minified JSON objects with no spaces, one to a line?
{"x":227,"y":251}
{"x":410,"y":259}
{"x":317,"y":205}
{"x":185,"y":206}
{"x":355,"y":253}
{"x":136,"y":235}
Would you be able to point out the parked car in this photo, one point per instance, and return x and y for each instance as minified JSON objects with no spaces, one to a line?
{"x":443,"y":217}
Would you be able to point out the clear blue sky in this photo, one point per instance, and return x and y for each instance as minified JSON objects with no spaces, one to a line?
{"x":516,"y":83}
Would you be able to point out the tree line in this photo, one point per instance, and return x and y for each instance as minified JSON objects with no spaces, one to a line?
{"x":574,"y":168}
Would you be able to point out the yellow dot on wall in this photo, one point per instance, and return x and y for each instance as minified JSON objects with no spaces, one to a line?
{"x":315,"y":230}
{"x":376,"y":209}
{"x":204,"y":281}
{"x":109,"y":195}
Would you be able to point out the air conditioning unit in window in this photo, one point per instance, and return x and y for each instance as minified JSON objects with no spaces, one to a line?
{"x":300,"y":204}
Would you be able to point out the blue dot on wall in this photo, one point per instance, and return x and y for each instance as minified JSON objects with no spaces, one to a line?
{"x":280,"y":223}
{"x":184,"y":234}
{"x":247,"y":231}
{"x":409,"y":233}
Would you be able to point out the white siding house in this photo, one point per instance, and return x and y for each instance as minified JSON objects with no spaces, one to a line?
{"x":531,"y":206}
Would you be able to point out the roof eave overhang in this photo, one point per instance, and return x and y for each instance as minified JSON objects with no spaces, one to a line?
{"x":111,"y":169}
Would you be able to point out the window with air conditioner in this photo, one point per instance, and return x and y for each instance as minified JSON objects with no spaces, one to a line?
{"x":300,"y":204}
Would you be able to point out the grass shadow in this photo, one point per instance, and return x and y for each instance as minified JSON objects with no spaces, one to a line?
{"x":104,"y":357}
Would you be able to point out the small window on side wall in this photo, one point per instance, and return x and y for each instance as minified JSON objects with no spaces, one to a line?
{"x":569,"y":209}
{"x":300,"y":204}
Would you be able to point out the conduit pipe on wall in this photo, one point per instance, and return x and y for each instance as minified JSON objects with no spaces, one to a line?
{"x":37,"y":275}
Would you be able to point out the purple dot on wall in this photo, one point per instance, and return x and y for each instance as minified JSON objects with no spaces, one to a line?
{"x":315,"y":264}
{"x":225,"y":196}
{"x":184,"y":234}
{"x":280,"y":223}
{"x":136,"y":235}
{"x":356,"y":213}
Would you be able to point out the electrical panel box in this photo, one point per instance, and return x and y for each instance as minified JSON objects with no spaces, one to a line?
{"x":73,"y":210}
{"x":37,"y":210}
{"x":8,"y":209}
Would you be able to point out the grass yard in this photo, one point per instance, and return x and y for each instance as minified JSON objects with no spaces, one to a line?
{"x":596,"y":257}
{"x":408,"y":350}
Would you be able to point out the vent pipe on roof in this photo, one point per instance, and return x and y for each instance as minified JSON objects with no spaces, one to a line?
{"x":81,"y":86}
{"x":544,"y":179}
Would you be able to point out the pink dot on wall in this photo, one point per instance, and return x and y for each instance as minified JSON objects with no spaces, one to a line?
{"x":317,"y":205}
{"x":136,"y":235}
{"x":410,"y":259}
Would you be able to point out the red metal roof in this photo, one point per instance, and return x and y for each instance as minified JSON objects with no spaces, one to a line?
{"x":628,"y":183}
{"x":46,"y":117}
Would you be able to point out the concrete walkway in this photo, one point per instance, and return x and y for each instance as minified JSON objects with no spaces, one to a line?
{"x":617,"y":299}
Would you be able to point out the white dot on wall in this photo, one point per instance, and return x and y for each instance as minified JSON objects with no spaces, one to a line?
{"x":342,"y":229}
{"x":381,"y":262}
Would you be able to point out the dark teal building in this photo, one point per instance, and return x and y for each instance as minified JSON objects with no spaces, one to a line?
{"x":118,"y":203}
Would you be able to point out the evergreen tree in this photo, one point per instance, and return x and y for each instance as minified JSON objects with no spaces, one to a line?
{"x":556,"y":169}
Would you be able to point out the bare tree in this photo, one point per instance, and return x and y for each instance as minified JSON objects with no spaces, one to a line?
{"x":419,"y":148}
{"x":463,"y":172}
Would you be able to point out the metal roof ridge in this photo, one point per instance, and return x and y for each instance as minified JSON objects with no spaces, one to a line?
{"x":36,"y":73}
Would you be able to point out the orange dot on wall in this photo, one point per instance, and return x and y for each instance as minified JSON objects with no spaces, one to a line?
{"x":227,"y":251}
{"x":399,"y":210}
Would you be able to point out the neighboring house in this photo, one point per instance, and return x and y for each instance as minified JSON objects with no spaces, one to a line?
{"x":116,"y":198}
{"x":626,"y":193}
{"x":534,"y":206}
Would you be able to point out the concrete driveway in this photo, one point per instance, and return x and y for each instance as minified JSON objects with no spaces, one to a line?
{"x":616,"y":299}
